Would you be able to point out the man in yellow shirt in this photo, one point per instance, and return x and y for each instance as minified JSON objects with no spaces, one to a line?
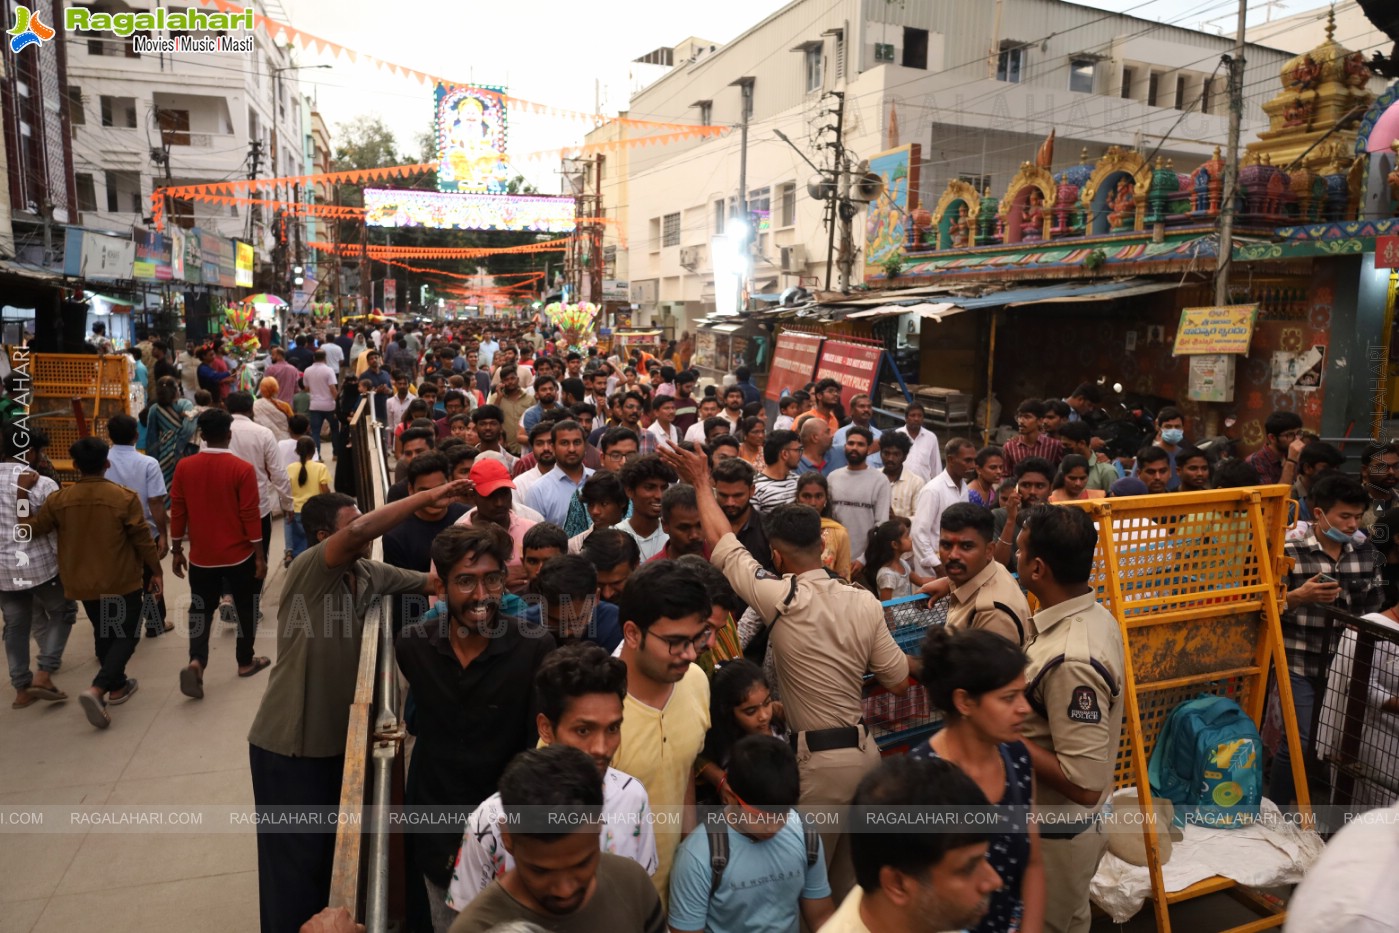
{"x":664,"y":612}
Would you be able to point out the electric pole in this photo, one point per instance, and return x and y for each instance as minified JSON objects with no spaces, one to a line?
{"x":833,"y":201}
{"x":254,"y":166}
{"x":745,"y":88}
{"x":1231,"y":167}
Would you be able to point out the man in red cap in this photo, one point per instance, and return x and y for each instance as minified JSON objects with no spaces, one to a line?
{"x":492,"y":494}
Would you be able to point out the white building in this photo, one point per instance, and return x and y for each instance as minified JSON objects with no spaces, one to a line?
{"x":205,"y":110}
{"x":978,"y":85}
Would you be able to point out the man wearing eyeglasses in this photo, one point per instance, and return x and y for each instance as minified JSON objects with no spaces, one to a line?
{"x":1379,"y":474}
{"x":664,"y":611}
{"x":472,"y":674}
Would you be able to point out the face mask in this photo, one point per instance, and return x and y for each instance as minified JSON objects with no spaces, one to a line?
{"x":1335,"y":534}
{"x":1173,"y":435}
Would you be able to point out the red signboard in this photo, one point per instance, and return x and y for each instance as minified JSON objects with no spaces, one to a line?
{"x":854,"y":365}
{"x":793,"y":362}
{"x":1387,"y":252}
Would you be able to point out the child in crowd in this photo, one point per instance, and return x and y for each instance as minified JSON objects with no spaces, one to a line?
{"x":740,"y":704}
{"x":541,"y":542}
{"x":887,"y":574}
{"x":301,"y":402}
{"x":787,"y":408}
{"x":298,"y":426}
{"x":308,"y":478}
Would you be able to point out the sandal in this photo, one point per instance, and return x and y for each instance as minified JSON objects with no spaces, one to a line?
{"x":95,"y":709}
{"x":192,"y":682}
{"x":24,"y":701}
{"x":50,"y":693}
{"x":259,"y":664}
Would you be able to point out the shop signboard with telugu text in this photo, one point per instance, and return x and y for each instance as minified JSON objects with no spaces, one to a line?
{"x":854,"y":365}
{"x":793,"y":362}
{"x":1224,"y":329}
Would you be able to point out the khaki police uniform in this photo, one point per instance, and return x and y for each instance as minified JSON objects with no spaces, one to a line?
{"x":1075,"y":690}
{"x":826,"y":634}
{"x":992,"y":600}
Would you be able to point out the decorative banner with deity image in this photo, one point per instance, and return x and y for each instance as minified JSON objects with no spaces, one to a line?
{"x":471,"y":139}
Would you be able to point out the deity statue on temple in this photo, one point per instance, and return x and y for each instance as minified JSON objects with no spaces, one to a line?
{"x":961,"y":229}
{"x":1124,"y":205}
{"x":1033,"y":226}
{"x":1357,"y":72}
{"x":1306,"y":74}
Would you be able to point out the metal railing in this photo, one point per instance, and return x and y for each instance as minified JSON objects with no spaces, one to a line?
{"x":375,"y":737}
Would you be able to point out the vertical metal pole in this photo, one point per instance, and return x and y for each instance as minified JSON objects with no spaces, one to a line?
{"x":1231,"y":168}
{"x":990,"y":373}
{"x":746,"y":90}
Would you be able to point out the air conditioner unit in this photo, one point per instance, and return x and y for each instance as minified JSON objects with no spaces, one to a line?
{"x":793,"y":258}
{"x":691,"y":257}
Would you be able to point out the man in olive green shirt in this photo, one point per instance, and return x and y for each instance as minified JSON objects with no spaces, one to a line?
{"x":297,"y":742}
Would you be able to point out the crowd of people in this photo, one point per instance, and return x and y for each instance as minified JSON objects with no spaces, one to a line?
{"x":619,"y":594}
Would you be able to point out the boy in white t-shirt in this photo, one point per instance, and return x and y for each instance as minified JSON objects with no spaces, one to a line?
{"x":580,"y":691}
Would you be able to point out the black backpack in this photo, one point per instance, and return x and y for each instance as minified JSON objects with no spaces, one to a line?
{"x":718,"y":833}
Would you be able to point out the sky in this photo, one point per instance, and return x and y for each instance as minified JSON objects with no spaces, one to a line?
{"x":567,"y":55}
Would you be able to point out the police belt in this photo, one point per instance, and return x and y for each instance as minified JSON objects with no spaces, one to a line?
{"x":1069,"y":830}
{"x":828,"y":740}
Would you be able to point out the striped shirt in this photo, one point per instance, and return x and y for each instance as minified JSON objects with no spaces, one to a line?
{"x":1044,"y":446}
{"x":903,"y":492}
{"x":769,"y":493}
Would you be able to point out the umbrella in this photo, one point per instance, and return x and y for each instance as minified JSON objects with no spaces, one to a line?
{"x":266,"y":300}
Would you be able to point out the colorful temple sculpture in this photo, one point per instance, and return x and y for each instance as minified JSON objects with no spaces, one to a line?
{"x":1330,"y":154}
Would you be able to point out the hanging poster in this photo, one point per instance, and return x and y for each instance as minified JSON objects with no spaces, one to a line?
{"x":243,"y":265}
{"x":177,"y":253}
{"x":152,"y":263}
{"x":471,"y":139}
{"x":854,"y":365}
{"x":793,"y":362}
{"x":1298,"y":371}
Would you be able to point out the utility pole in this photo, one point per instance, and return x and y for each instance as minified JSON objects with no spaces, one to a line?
{"x":833,"y":202}
{"x":595,"y":285}
{"x":254,"y":166}
{"x":846,"y":210}
{"x":745,"y":89}
{"x":1231,"y":168}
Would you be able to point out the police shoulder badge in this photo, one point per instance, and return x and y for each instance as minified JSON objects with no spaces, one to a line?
{"x":1083,"y":707}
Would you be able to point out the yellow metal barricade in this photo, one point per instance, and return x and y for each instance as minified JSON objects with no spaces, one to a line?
{"x":60,"y":381}
{"x":1195,"y":581}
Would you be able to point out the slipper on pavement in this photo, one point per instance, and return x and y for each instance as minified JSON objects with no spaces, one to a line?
{"x":46,"y":693}
{"x":24,"y":702}
{"x":259,"y":664}
{"x":192,"y":683}
{"x":95,"y":710}
{"x":132,"y":684}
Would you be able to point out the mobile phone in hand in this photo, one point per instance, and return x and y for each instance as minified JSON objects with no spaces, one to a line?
{"x":1325,"y":578}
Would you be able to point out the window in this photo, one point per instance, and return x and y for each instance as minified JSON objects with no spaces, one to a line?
{"x":788,"y":195}
{"x":87,"y":193}
{"x":982,"y":183}
{"x":721,"y":213}
{"x":915,"y":48}
{"x":1153,"y":88}
{"x":811,"y":56}
{"x":1010,"y":63}
{"x":670,"y":230}
{"x":1081,"y":74}
{"x":75,"y":107}
{"x":1207,"y":95}
{"x":1180,"y":92}
{"x":706,"y":112}
{"x":174,"y":127}
{"x":760,"y":208}
{"x":119,"y":111}
{"x":123,"y":192}
{"x":1128,"y":76}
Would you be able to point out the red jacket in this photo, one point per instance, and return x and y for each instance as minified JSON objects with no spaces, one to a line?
{"x":214,"y":494}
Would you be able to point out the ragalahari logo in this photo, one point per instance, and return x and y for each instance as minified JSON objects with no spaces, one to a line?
{"x":28,"y":30}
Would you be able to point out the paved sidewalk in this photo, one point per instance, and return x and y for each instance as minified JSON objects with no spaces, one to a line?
{"x":162,"y":748}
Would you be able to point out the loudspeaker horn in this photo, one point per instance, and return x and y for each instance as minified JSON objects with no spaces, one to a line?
{"x":821,"y":187}
{"x":866,"y":186}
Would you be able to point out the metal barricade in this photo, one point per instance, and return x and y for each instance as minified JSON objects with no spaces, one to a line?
{"x":1356,"y":740}
{"x":360,"y":881}
{"x":900,"y":723}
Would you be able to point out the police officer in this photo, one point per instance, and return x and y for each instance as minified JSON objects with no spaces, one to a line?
{"x":1076,"y":693}
{"x":824,"y":634}
{"x":983,"y":593}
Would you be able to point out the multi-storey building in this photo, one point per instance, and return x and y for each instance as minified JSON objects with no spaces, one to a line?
{"x":142,"y":121}
{"x":978,"y":86}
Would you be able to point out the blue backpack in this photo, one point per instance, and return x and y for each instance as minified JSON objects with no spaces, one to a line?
{"x":1208,"y":761}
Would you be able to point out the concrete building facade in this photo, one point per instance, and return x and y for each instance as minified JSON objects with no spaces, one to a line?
{"x":978,"y":86}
